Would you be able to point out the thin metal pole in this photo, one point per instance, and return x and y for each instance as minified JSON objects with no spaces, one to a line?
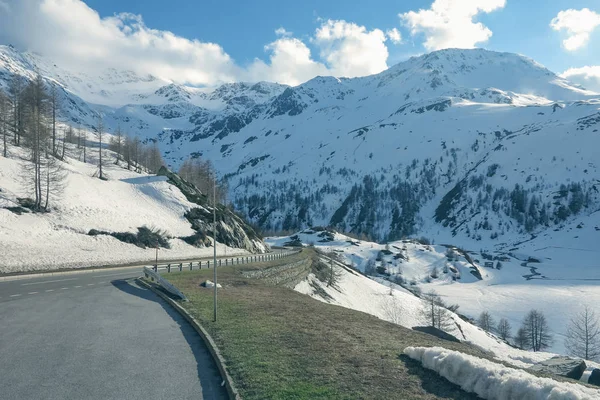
{"x":215,"y":245}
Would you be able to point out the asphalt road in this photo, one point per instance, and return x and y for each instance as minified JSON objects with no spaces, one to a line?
{"x":97,"y":335}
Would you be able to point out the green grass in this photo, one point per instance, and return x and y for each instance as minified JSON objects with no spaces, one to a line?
{"x":280,"y":344}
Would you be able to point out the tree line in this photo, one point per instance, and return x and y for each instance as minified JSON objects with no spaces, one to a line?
{"x":28,"y":120}
{"x":582,"y":338}
{"x":202,"y":174}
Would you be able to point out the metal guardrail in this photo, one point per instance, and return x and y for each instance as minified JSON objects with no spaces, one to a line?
{"x":155,"y":276}
{"x":190,"y":266}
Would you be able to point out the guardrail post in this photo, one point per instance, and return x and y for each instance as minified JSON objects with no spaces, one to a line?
{"x":220,"y":262}
{"x":208,"y":264}
{"x":191,"y":266}
{"x":169,"y":269}
{"x":155,"y":268}
{"x":199,"y":264}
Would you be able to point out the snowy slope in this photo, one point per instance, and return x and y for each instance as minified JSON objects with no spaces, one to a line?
{"x":565,"y":279}
{"x":401,"y":307}
{"x":126,"y":201}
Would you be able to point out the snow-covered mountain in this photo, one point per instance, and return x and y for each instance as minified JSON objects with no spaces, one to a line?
{"x":467,"y":146}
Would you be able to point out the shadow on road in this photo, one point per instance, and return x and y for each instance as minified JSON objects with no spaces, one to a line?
{"x":208,"y":373}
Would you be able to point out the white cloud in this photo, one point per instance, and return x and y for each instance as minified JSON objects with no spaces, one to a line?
{"x":450,"y":23}
{"x":394,"y":35}
{"x":73,"y":34}
{"x":76,"y":37}
{"x":351,"y":50}
{"x":588,"y":77}
{"x":290,"y":62}
{"x":346,"y":49}
{"x":579,"y":24}
{"x":283,"y":32}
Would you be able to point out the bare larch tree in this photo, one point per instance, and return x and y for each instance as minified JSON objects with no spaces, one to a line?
{"x":537,"y":330}
{"x":486,"y":322}
{"x":583,"y":335}
{"x":504,"y":329}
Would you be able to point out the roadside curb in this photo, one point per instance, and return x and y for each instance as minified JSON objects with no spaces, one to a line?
{"x":208,"y":340}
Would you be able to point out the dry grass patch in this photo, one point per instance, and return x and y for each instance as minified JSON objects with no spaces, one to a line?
{"x":280,"y":344}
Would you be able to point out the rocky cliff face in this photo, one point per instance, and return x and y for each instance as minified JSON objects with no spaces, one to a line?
{"x":232,"y":230}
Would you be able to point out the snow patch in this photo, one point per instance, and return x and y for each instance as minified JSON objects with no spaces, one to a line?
{"x":494,"y":381}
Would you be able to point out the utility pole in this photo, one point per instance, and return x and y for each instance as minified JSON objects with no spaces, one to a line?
{"x":156,"y":263}
{"x":215,"y":245}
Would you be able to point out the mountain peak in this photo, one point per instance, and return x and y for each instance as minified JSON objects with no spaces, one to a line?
{"x":450,"y":71}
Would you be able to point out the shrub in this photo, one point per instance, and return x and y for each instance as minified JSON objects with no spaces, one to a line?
{"x":152,"y":237}
{"x":198,"y":239}
{"x":145,"y":237}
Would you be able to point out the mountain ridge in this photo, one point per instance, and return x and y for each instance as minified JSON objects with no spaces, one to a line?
{"x":445,"y":144}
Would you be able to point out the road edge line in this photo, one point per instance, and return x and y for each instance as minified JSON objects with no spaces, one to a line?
{"x":208,"y":340}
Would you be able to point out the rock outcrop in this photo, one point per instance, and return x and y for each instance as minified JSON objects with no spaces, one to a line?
{"x":232,"y":230}
{"x":563,"y":366}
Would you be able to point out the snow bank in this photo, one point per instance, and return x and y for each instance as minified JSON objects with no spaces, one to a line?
{"x":495,"y":381}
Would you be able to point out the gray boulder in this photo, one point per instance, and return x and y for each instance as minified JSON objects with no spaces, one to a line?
{"x":595,"y":377}
{"x":563,"y":366}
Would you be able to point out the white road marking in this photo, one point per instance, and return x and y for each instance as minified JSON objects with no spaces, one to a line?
{"x":49,"y":290}
{"x":101,"y":283}
{"x":40,"y":283}
{"x":78,"y":286}
{"x":91,"y":284}
{"x":64,"y":288}
{"x":14,"y":295}
{"x":33,"y":293}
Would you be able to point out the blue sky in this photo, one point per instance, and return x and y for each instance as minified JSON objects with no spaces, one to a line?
{"x":244,"y":27}
{"x":204,"y":43}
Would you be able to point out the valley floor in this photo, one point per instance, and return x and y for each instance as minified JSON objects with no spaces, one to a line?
{"x":568,"y":279}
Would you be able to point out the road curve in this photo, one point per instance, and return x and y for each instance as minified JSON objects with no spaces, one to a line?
{"x":98,"y":336}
